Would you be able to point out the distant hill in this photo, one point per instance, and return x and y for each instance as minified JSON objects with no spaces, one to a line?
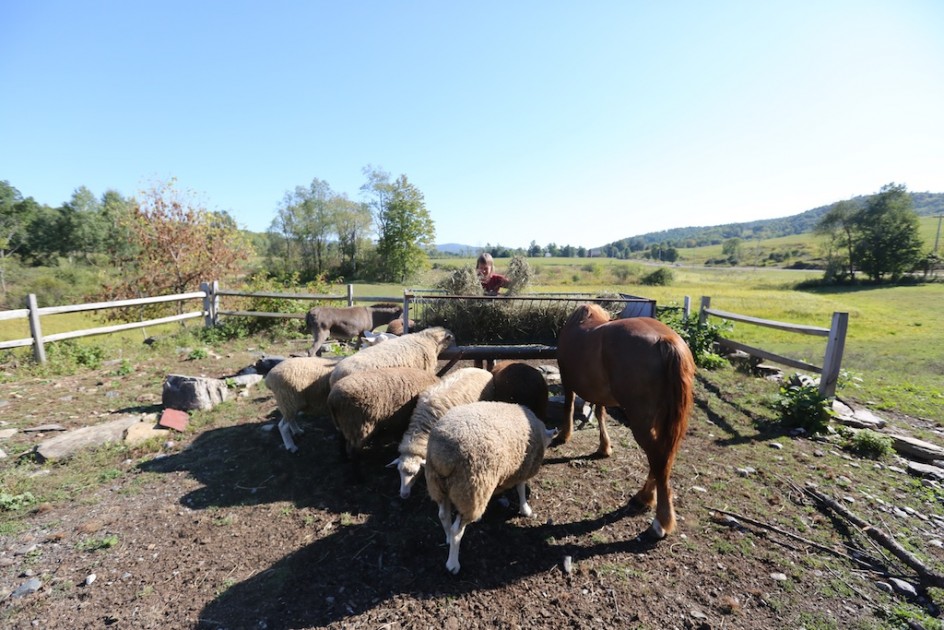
{"x":925,"y":204}
{"x":457,"y":249}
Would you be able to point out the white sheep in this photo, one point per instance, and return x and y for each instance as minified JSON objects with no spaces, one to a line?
{"x":416,"y":350}
{"x":299,"y":384}
{"x":458,"y":388}
{"x":375,"y":404}
{"x":476,"y":450}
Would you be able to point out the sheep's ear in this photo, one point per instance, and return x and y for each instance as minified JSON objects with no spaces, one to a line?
{"x":422,"y":462}
{"x":551,"y":433}
{"x":394,"y":463}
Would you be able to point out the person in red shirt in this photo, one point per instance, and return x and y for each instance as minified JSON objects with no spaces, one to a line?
{"x":491,"y":281}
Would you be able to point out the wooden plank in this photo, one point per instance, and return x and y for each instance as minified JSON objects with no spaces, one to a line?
{"x":17,"y":313}
{"x":92,"y":306}
{"x":16,"y":343}
{"x":797,"y":328}
{"x":770,"y":356}
{"x":110,"y":329}
{"x":263,"y":314}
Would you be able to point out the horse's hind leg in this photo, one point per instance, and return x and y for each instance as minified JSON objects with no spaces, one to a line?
{"x":567,"y":423}
{"x":605,"y":449}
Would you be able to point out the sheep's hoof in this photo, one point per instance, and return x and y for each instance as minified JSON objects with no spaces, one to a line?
{"x":454,"y":569}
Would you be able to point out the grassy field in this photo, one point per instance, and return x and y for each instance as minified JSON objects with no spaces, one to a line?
{"x":894,"y":356}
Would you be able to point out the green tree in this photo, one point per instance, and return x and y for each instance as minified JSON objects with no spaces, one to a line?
{"x":353,"y":224}
{"x":14,"y":218}
{"x":888,"y":243}
{"x":839,"y":226}
{"x":305,"y":220}
{"x":82,"y":225}
{"x":406,"y":233}
{"x":732,"y":249}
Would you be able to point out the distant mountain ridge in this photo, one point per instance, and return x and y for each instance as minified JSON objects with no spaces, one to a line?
{"x":924,"y":203}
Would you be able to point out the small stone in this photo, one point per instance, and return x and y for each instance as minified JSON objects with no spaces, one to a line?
{"x":568,"y":565}
{"x":699,"y":489}
{"x":778,"y":577}
{"x":6,"y":434}
{"x":747,"y":471}
{"x":775,"y":445}
{"x":90,"y":578}
{"x":884,"y":586}
{"x":27,"y":588}
{"x":903,"y":587}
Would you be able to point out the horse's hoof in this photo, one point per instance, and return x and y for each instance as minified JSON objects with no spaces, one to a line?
{"x":604,"y":452}
{"x":635,"y":506}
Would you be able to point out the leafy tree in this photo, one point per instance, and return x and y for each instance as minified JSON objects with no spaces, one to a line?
{"x":305,"y":220}
{"x":82,"y":227}
{"x":888,"y":243}
{"x":534,"y":250}
{"x":177,"y":244}
{"x":732,"y":248}
{"x":13,"y":221}
{"x":406,"y":232}
{"x":352,"y":223}
{"x":839,"y":226}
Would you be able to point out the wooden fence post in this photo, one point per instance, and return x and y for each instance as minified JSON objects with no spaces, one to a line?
{"x":686,"y":307}
{"x":215,"y":301}
{"x":406,"y":312}
{"x":833,"y":359}
{"x":207,"y":308}
{"x":39,"y":351}
{"x":703,"y":314}
{"x":350,"y":295}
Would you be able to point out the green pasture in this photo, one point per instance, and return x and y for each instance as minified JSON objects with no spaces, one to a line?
{"x":894,"y":355}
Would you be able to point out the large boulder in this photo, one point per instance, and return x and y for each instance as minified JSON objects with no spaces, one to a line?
{"x":193,"y":392}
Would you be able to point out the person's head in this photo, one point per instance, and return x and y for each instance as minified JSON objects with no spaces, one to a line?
{"x":484,"y":265}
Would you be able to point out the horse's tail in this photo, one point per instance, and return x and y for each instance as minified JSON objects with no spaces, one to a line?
{"x":678,"y":395}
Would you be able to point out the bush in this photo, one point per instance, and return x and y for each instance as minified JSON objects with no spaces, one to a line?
{"x":700,"y":337}
{"x":661,"y":277}
{"x":800,"y":405}
{"x":868,"y":443}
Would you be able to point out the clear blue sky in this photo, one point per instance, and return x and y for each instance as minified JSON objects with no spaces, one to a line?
{"x":568,"y":122}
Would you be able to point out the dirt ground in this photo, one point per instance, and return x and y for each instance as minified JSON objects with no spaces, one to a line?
{"x":225,"y":529}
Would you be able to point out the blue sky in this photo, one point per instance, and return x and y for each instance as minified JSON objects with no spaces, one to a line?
{"x":565,"y":122}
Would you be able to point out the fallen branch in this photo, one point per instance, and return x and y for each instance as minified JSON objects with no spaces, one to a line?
{"x":805,"y":541}
{"x":927,"y":576}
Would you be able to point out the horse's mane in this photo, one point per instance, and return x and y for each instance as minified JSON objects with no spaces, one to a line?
{"x":586,"y":312}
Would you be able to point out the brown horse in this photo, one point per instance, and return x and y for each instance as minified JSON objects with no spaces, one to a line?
{"x":644,"y":367}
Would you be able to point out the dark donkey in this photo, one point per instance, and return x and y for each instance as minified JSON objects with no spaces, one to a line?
{"x":346,"y":322}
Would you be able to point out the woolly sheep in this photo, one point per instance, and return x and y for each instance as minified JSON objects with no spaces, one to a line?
{"x":375,"y":404}
{"x":299,"y":384}
{"x":458,"y":388}
{"x":476,"y":450}
{"x":518,"y":382}
{"x":347,"y":322}
{"x":417,"y":350}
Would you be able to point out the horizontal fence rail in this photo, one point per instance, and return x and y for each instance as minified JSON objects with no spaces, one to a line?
{"x":832,"y":360}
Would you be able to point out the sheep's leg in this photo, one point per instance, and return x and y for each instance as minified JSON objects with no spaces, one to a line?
{"x":445,"y":517}
{"x":524,"y":509}
{"x":285,"y":429}
{"x":455,"y":533}
{"x":605,"y":449}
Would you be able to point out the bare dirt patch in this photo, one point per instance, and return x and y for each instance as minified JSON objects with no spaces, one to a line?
{"x":225,"y":529}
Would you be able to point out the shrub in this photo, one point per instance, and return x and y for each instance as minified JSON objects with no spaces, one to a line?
{"x":868,"y":443}
{"x":661,"y":277}
{"x":520,"y":275}
{"x":700,"y":337}
{"x":461,"y":281}
{"x":800,"y":405}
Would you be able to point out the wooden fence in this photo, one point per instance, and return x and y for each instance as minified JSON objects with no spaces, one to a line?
{"x":832,"y":360}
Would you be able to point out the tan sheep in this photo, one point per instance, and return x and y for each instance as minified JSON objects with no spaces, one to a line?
{"x":299,"y":384}
{"x":416,"y":350}
{"x":476,"y":450}
{"x":458,"y":388}
{"x":375,"y":404}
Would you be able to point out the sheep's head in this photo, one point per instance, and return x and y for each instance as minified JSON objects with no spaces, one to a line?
{"x":549,"y":435}
{"x":409,"y":469}
{"x":443,"y":337}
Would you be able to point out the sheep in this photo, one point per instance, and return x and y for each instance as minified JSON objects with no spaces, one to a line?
{"x":375,"y":404}
{"x":299,"y":384}
{"x":518,"y":382}
{"x":476,"y":450}
{"x":417,"y":350}
{"x":347,"y":322}
{"x":458,"y":388}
